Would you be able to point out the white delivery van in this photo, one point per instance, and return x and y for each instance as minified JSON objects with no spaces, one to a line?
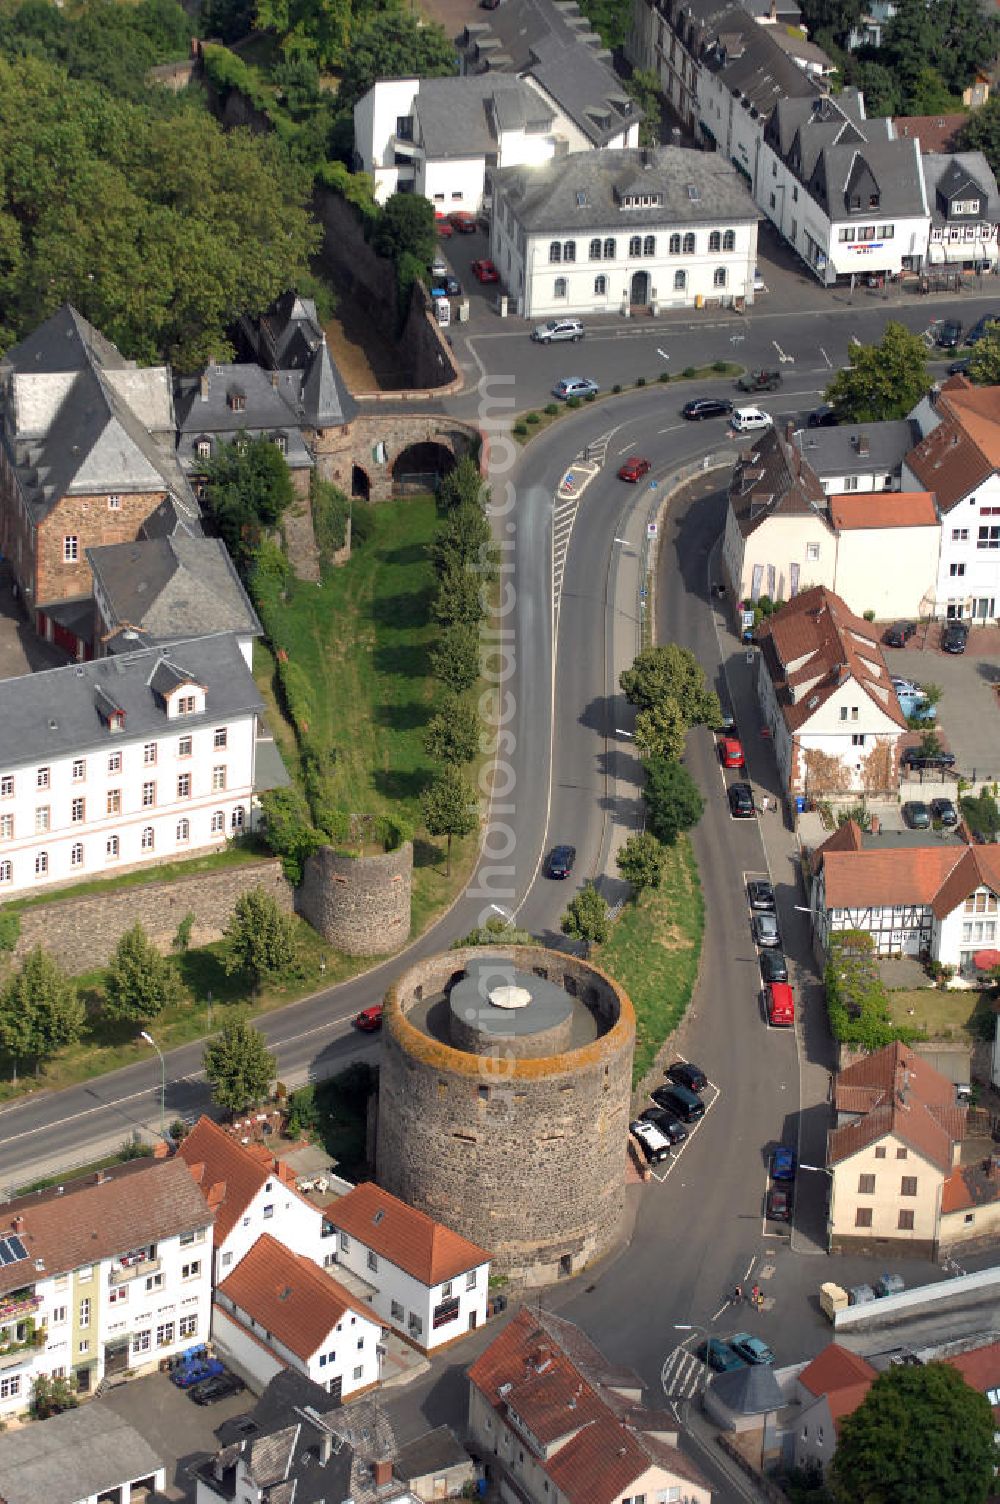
{"x":746,"y":419}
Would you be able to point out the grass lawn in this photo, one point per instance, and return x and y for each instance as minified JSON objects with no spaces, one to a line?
{"x":654,"y":950}
{"x":957,"y":1015}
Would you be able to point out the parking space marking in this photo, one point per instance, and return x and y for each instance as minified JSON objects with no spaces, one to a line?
{"x":676,"y":1151}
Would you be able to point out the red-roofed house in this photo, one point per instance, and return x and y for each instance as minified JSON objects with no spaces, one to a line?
{"x":555,"y":1423}
{"x":829,"y":1389}
{"x":895,"y":1144}
{"x":980,"y":1368}
{"x":278,"y":1310}
{"x":826,"y":695}
{"x":427,"y":1281}
{"x":251,"y":1193}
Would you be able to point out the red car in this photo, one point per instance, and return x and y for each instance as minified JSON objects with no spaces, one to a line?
{"x":485,"y":271}
{"x":731,"y":751}
{"x":463,"y":222}
{"x":369,"y":1020}
{"x":634,"y":469}
{"x":443,"y":227}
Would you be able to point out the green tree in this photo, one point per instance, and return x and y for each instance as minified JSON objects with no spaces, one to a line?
{"x":660,"y":730}
{"x":455,"y":657}
{"x":981,"y":132}
{"x":40,"y":1011}
{"x":248,"y":486}
{"x":394,"y":44}
{"x":640,"y":860}
{"x":883,"y":381}
{"x":495,"y":932}
{"x":452,"y":735}
{"x":673,"y":799}
{"x":464,"y":538}
{"x":315,"y":29}
{"x":459,"y":597}
{"x":920,"y":1436}
{"x":586,"y":917}
{"x":449,"y":807}
{"x":288,"y":829}
{"x":406,"y":226}
{"x":644,"y":88}
{"x":928,"y":94}
{"x":139,"y":983}
{"x":880,"y":86}
{"x":671,"y":673}
{"x":51,"y":1397}
{"x":239,"y":1066}
{"x":463,"y":485}
{"x":984,"y":362}
{"x":837,"y":17}
{"x":260,"y":938}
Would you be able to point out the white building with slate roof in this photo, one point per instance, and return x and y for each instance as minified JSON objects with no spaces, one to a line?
{"x":612,"y":230}
{"x":140,"y":758}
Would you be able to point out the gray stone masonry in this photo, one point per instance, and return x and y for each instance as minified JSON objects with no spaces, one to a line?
{"x":360,"y":905}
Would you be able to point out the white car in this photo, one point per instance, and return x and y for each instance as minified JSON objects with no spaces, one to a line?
{"x":906,"y":687}
{"x":759,"y":285}
{"x":746,"y":419}
{"x":439,"y":267}
{"x":558,"y":329}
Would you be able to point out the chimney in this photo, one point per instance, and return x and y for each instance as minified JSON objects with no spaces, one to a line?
{"x":789,"y":432}
{"x":274,"y":378}
{"x":204,"y":386}
{"x":382,"y":1470}
{"x":864,"y":446}
{"x":18,"y":1223}
{"x":99,"y":1177}
{"x":325,"y":1447}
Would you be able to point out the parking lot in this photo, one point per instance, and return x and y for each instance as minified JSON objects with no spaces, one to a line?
{"x":969,"y":709}
{"x":177,"y":1429}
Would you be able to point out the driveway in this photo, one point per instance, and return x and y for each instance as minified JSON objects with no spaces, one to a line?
{"x":969,"y":709}
{"x":175,"y":1427}
{"x":21,"y":652}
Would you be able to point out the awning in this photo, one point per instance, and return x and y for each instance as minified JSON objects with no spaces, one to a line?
{"x":986,"y":960}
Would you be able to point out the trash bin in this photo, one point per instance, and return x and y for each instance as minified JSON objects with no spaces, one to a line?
{"x":800,"y":804}
{"x":861,"y":1295}
{"x":699,"y":301}
{"x":889,"y":1284}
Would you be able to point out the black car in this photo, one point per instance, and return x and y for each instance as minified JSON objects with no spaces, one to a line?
{"x":949,"y":334}
{"x":917,"y":815}
{"x":740,"y":800}
{"x":823,"y":416}
{"x":681,"y":1101}
{"x":453,"y":287}
{"x":982,"y":328}
{"x":668,"y":1123}
{"x":899,"y":634}
{"x":686,"y":1074}
{"x":959,"y":368}
{"x":954,"y":637}
{"x":560,"y":862}
{"x":761,"y":895}
{"x":773,"y":966}
{"x":217,"y":1388}
{"x":706,"y":407}
{"x":944,"y":812}
{"x":913,"y":757}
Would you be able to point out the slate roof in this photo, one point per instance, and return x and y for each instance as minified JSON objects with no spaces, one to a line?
{"x":55,"y":713}
{"x":837,"y":451}
{"x":857,"y":510}
{"x":830,"y":144}
{"x":85,"y":1452}
{"x":290,"y":1297}
{"x":581,"y":192}
{"x":408,"y":1238}
{"x":772,"y":480}
{"x":897,"y":1093}
{"x":458,"y":117}
{"x":752,"y":1390}
{"x":230,"y":1174}
{"x":595,"y":1451}
{"x":842,"y":1376}
{"x":83,"y":420}
{"x":967,"y":174}
{"x":552,"y":44}
{"x":433,"y":1452}
{"x":748,"y":60}
{"x":290,"y":337}
{"x":169,"y":588}
{"x":271,"y":405}
{"x":141,"y":1202}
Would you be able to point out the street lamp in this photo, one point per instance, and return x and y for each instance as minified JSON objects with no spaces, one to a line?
{"x":819,"y":1169}
{"x":692,"y":1326}
{"x":163,"y":1080}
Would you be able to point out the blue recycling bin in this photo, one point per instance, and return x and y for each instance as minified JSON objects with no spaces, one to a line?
{"x":800,"y":804}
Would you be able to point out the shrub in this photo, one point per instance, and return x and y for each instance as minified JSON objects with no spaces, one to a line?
{"x":640,"y":381}
{"x":869,"y":615}
{"x":722,"y":366}
{"x":616,"y":389}
{"x":590,"y":397}
{"x":689,"y":372}
{"x":520,"y":428}
{"x":330,"y":511}
{"x":856,"y":999}
{"x":552,"y":408}
{"x":573,"y":402}
{"x":664,"y":376}
{"x":532,"y":418}
{"x":10,"y":929}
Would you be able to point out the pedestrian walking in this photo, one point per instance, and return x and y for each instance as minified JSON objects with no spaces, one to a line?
{"x":738,"y":1295}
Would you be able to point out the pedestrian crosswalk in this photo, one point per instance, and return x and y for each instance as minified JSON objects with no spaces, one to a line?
{"x":682,"y":1375}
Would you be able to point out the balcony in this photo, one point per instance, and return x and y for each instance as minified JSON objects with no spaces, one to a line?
{"x":138,"y":1270}
{"x":13,"y":1352}
{"x":19,"y":1303}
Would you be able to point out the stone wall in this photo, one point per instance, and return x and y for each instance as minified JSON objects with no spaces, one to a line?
{"x":524,"y":1156}
{"x":82,"y":933}
{"x":386,"y":432}
{"x":360,"y":905}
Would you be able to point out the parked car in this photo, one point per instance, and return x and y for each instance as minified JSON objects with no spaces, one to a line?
{"x":751,"y":1348}
{"x":944,"y":812}
{"x":779,"y":1001}
{"x":779,"y":1204}
{"x":369,"y":1020}
{"x":574,"y":386}
{"x":765,"y":929}
{"x":484,"y":271}
{"x":464,"y":222}
{"x":740,"y":797}
{"x":917,"y":815}
{"x":749,"y":419}
{"x":914,"y":757}
{"x":687,"y":1074}
{"x":731,"y":752}
{"x":668,"y":1123}
{"x":439,"y":267}
{"x":634,"y":469}
{"x":190,"y":1374}
{"x":773,"y":966}
{"x":981,"y":328}
{"x":556,"y":330}
{"x":959,"y":367}
{"x":453,"y":287}
{"x":949,"y":334}
{"x":683,"y":1103}
{"x":783,"y":1163}
{"x":560,"y":862}
{"x":904,"y":686}
{"x":706,"y":407}
{"x":761,"y":895}
{"x":759,"y":381}
{"x":443,"y":227}
{"x":899,"y":634}
{"x":218,"y":1388}
{"x":654,"y":1144}
{"x":727,"y":725}
{"x":823,"y":416}
{"x":759,"y":285}
{"x":954,"y":636}
{"x":719,"y":1356}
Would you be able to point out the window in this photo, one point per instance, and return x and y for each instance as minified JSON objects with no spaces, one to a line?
{"x":42,"y":818}
{"x":183,"y":830}
{"x":960,"y":535}
{"x":635,"y":245}
{"x":866,"y":232}
{"x":154,"y":1282}
{"x":76,"y":854}
{"x":729,"y":240}
{"x":956,"y":571}
{"x":41,"y":864}
{"x":203,"y":449}
{"x":148,"y":795}
{"x":112,"y":848}
{"x":845,"y":236}
{"x":689,"y":245}
{"x":854,"y":713}
{"x":600,"y":287}
{"x":78,"y":811}
{"x":649,"y":246}
{"x":965,"y":206}
{"x":71,"y":549}
{"x":901,"y":1153}
{"x":6,"y":872}
{"x":863,"y":1216}
{"x":555,"y":251}
{"x":361,"y":1343}
{"x":187,"y":1326}
{"x":373,"y":1261}
{"x":396,"y":1310}
{"x":714,"y":242}
{"x":559,"y":287}
{"x":415,"y":1325}
{"x":569,"y":250}
{"x":141,"y":1341}
{"x":674,"y":245}
{"x":184,"y":785}
{"x":149,"y":754}
{"x":268,"y":1211}
{"x":812,"y":551}
{"x":79,"y":770}
{"x":610,"y":250}
{"x":470,"y":1279}
{"x":227,"y":1259}
{"x":58,"y":1315}
{"x":219,"y":822}
{"x":345,"y":1243}
{"x":908,"y":1185}
{"x":147,"y":841}
{"x":186,"y":705}
{"x":7,"y":786}
{"x":84,"y":1314}
{"x":988,"y":537}
{"x":880,"y":1152}
{"x":904,"y":1221}
{"x":192,"y":1270}
{"x":42,"y":778}
{"x":10,"y":1387}
{"x":446,"y":1290}
{"x":358,"y":1373}
{"x":720,"y":277}
{"x":595,"y":250}
{"x":6,"y":827}
{"x":118,"y":1297}
{"x":219,"y":739}
{"x":239,"y":818}
{"x":114,"y":802}
{"x":680,"y":281}
{"x":851,"y":483}
{"x":218,"y":780}
{"x":114,"y":503}
{"x":866,"y":1185}
{"x":843,"y":712}
{"x":857,"y":738}
{"x":165,"y":1334}
{"x":115,"y":762}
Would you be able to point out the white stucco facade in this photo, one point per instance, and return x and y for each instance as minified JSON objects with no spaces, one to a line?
{"x":785,"y":554}
{"x":429,"y":1315}
{"x":967,"y":582}
{"x":847,"y":727}
{"x":344,"y":1360}
{"x":864,"y":580}
{"x":279,"y":1210}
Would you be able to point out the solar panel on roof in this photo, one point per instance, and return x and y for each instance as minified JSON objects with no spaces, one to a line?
{"x":6,"y":1257}
{"x":19,"y":1250}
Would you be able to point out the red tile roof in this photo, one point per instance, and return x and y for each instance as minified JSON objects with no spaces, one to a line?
{"x":229,"y":1174}
{"x":883,"y":509}
{"x":969,"y":1186}
{"x":406,"y":1237}
{"x":887,"y":876}
{"x":980,"y":1368}
{"x":964,"y":449}
{"x":897,"y":1093}
{"x":936,"y":133}
{"x":598,"y":1448}
{"x":844,"y":1377}
{"x":290,"y":1296}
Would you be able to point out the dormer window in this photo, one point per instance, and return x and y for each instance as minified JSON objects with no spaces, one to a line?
{"x":203,"y":449}
{"x":236,"y":399}
{"x":641,"y":200}
{"x":965,"y":206}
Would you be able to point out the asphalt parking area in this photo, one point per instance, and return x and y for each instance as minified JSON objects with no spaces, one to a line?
{"x":175,"y":1427}
{"x":969,"y":709}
